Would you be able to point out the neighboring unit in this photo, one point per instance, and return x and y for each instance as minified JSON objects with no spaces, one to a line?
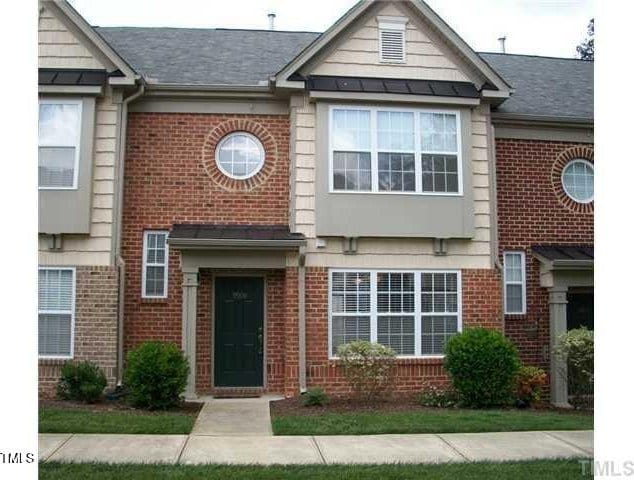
{"x":273,"y":195}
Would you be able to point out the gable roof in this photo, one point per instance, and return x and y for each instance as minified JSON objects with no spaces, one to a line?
{"x":65,"y":12}
{"x":213,"y":56}
{"x":546,"y":86}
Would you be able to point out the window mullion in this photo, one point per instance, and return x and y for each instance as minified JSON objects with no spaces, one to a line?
{"x":417,"y":314}
{"x":374,"y":156}
{"x":373,"y":307}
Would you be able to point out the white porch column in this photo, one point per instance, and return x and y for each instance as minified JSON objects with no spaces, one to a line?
{"x":190,"y":295}
{"x":558,"y":325}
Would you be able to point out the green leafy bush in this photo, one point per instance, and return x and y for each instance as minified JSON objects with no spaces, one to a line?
{"x":528,"y":385}
{"x":82,"y":381}
{"x":315,"y":397}
{"x":368,"y":367}
{"x":156,"y":375}
{"x":576,"y":348}
{"x":482,"y":364}
{"x":434,"y":396}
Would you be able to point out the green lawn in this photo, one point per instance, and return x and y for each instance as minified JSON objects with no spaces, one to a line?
{"x":540,"y":469}
{"x":430,"y":421}
{"x":58,"y":420}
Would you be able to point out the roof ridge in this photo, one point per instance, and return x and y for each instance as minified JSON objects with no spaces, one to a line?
{"x":209,"y":28}
{"x":549,"y":57}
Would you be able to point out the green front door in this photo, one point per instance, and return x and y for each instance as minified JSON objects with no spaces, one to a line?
{"x":239,"y":331}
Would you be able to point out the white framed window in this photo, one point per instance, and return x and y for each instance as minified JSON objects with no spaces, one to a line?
{"x":392,"y":39}
{"x":59,"y":133}
{"x":413,"y":312}
{"x":240,"y":155}
{"x":155,"y":264}
{"x":395,"y":151}
{"x":56,"y":312}
{"x":514,"y":283}
{"x":577,"y":179}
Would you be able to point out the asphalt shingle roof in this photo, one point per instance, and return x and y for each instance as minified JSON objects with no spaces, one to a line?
{"x":544,"y":86}
{"x":557,"y":87}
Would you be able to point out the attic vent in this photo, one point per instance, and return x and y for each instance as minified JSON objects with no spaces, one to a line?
{"x":392,"y":39}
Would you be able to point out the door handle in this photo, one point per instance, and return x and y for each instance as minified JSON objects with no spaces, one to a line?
{"x":260,"y":340}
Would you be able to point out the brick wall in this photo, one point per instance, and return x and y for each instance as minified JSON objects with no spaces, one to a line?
{"x":95,"y":327}
{"x":533,"y":210}
{"x":171,"y":178}
{"x":481,"y":307}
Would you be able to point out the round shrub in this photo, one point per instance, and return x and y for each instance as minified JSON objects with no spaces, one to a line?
{"x":156,"y":375}
{"x":368,"y":367}
{"x":483,"y":365}
{"x":315,"y":397}
{"x":528,"y":386}
{"x":82,"y":381}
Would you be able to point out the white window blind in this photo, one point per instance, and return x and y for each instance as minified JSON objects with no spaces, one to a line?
{"x":59,"y":138}
{"x":412,"y":312}
{"x":56,"y":304}
{"x":514,"y":283}
{"x":155,"y":264}
{"x":392,"y":45}
{"x":394,"y":150}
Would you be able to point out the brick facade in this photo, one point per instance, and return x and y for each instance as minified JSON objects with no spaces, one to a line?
{"x":533,"y":210}
{"x":481,"y":307}
{"x":95,"y":327}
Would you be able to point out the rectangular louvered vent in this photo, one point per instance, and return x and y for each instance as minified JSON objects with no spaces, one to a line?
{"x":392,"y":45}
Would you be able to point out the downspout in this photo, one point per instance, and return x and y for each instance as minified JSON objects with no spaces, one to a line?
{"x":495,"y":244}
{"x":121,"y":146}
{"x":301,"y":306}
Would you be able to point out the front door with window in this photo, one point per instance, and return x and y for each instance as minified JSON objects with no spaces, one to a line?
{"x":239,"y":331}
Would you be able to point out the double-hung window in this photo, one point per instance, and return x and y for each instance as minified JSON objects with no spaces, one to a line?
{"x":155,"y":263}
{"x":412,"y":312}
{"x":514,"y":283}
{"x":56,"y":312}
{"x":391,"y":150}
{"x":59,"y":140}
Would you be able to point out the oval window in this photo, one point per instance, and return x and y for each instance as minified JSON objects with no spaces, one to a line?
{"x":578,"y":180}
{"x":240,"y":155}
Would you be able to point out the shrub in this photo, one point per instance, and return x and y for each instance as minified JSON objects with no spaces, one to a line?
{"x":368,"y":367}
{"x":433,"y":396}
{"x":528,"y":385}
{"x":576,"y":348}
{"x":482,"y":365}
{"x":315,"y":397}
{"x":156,"y":375}
{"x":83,"y":381}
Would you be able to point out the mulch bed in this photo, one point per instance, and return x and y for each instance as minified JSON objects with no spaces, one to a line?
{"x":294,"y":407}
{"x":119,"y":405}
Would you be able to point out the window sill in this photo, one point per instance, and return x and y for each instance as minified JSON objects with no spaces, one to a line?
{"x":427,"y":360}
{"x":53,"y":360}
{"x":154,"y":299}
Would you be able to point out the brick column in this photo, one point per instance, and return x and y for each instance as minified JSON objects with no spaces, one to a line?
{"x":291,"y":333}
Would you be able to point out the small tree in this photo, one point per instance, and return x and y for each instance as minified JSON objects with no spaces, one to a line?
{"x":576,"y":349}
{"x":368,"y":367}
{"x":585,"y":50}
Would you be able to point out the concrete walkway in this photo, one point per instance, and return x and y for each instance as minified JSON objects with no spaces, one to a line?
{"x":235,"y":417}
{"x":267,"y":450}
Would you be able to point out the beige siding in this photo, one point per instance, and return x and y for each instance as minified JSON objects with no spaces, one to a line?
{"x":94,"y":249}
{"x":358,"y":54}
{"x":382,"y":252}
{"x":59,"y":48}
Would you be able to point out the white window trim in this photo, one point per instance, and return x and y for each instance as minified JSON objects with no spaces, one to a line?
{"x":374,"y":151}
{"x":522,"y":282}
{"x":256,"y":140}
{"x":576,"y":160}
{"x":57,"y":312}
{"x":374,"y":314}
{"x":392,"y":24}
{"x":65,"y":101}
{"x":146,"y":264}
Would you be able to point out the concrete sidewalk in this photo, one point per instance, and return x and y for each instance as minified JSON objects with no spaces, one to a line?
{"x":358,"y":449}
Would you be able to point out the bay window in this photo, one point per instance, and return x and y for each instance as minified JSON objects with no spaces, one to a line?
{"x":412,"y":312}
{"x":388,"y":150}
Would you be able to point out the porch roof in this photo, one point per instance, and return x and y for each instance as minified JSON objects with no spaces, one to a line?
{"x":565,"y":256}
{"x":220,"y":236}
